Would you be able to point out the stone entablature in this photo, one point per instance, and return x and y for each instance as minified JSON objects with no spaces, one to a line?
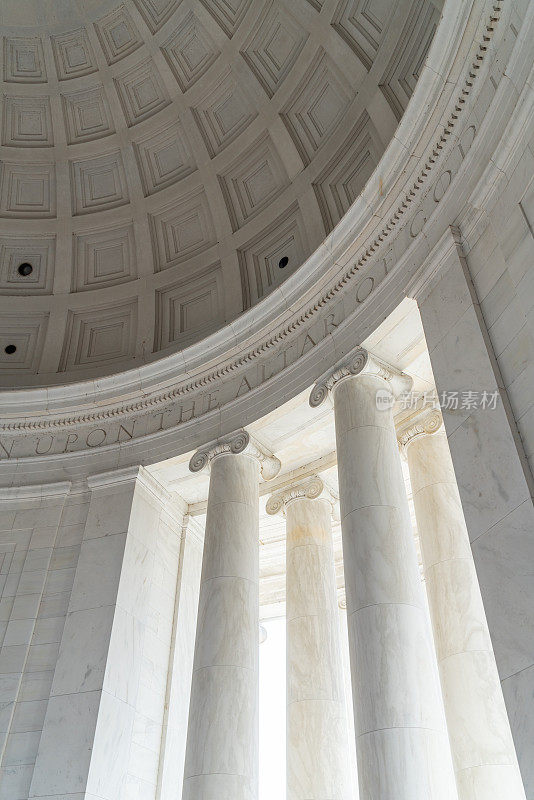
{"x":372,"y":259}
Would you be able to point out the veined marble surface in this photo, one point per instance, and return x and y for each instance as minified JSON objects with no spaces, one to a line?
{"x":317,"y":752}
{"x":479,"y":731}
{"x":397,"y":711}
{"x":221,"y":759}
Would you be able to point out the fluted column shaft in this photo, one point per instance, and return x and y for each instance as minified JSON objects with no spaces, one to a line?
{"x":316,"y":719}
{"x":482,"y":747}
{"x":401,"y":741}
{"x":222,"y":742}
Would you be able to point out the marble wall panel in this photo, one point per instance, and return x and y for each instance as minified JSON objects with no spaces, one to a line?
{"x":175,"y":725}
{"x":109,"y":684}
{"x":36,"y":575}
{"x":493,"y":475}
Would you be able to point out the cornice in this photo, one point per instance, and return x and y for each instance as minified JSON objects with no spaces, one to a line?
{"x":237,"y":443}
{"x":35,"y":491}
{"x":139,"y":476}
{"x":115,"y":477}
{"x":364,"y":236}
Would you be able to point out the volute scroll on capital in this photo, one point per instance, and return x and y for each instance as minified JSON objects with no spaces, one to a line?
{"x":425,"y":423}
{"x":312,"y":489}
{"x":237,"y":443}
{"x":359,"y":362}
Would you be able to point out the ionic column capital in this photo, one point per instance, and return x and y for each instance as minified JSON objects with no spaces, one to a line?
{"x":236,"y":443}
{"x":311,"y":488}
{"x":359,"y":362}
{"x":424,"y":423}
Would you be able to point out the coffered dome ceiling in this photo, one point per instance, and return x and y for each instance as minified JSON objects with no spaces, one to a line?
{"x":166,"y":163}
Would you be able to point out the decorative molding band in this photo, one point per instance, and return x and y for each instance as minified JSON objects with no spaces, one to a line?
{"x":139,"y":476}
{"x":425,"y":423}
{"x":114,"y":477}
{"x":237,"y":443}
{"x":393,"y":223}
{"x":359,"y":362}
{"x":311,"y":489}
{"x":371,"y":257}
{"x":35,"y":491}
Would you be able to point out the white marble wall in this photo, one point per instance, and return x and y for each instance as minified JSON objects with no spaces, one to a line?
{"x":479,"y":732}
{"x":152,"y":610}
{"x":172,"y":758}
{"x":493,"y":480}
{"x":500,"y":264}
{"x":39,"y":544}
{"x":88,"y":593}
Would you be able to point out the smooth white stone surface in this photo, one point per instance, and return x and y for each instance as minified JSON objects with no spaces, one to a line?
{"x":490,"y":782}
{"x":222,"y":739}
{"x":76,"y":714}
{"x":405,"y":763}
{"x":174,"y":737}
{"x":227,"y":549}
{"x":479,"y":732}
{"x":391,"y":648}
{"x":517,"y":691}
{"x":223,"y":601}
{"x":102,"y":730}
{"x":317,"y":753}
{"x":487,"y":453}
{"x":312,"y":657}
{"x":222,"y":787}
{"x":345,"y":659}
{"x":36,"y":575}
{"x":401,"y":741}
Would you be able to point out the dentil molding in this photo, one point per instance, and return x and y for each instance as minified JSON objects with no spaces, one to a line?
{"x":372,"y":252}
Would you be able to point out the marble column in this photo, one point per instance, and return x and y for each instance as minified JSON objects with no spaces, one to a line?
{"x":221,"y":761}
{"x":479,"y":731}
{"x":316,"y":721}
{"x":401,"y":741}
